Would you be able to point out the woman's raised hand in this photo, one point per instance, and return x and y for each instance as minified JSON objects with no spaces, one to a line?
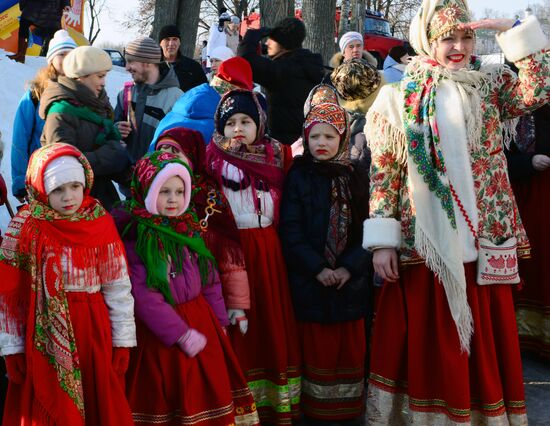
{"x":499,"y":25}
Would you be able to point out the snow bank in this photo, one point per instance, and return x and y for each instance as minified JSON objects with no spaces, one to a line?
{"x":14,"y":79}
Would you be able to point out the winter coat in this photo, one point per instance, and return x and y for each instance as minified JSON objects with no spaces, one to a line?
{"x":189,"y":72}
{"x":393,"y":70}
{"x":27,"y":129}
{"x":194,"y":110}
{"x":304,"y":221}
{"x":338,"y":59}
{"x":150,"y":305}
{"x":43,"y":13}
{"x":150,"y":103}
{"x":109,"y":159}
{"x":287,"y":80}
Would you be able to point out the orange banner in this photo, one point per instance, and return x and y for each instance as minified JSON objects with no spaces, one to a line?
{"x":9,"y":25}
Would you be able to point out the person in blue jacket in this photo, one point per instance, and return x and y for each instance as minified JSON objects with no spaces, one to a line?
{"x":27,"y":126}
{"x":396,"y":61}
{"x":196,"y":108}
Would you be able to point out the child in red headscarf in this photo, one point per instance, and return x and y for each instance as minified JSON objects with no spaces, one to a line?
{"x":249,"y":166}
{"x":66,"y":312}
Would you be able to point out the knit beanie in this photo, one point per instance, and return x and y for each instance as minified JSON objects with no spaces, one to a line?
{"x":239,"y":101}
{"x":61,"y":42}
{"x":221,"y":53}
{"x":235,"y":20}
{"x":168,"y":171}
{"x":237,"y":72}
{"x":290,"y":33}
{"x":355,"y":79}
{"x":86,"y":60}
{"x":169,"y":31}
{"x":143,"y":49}
{"x":347,"y":38}
{"x":63,"y":170}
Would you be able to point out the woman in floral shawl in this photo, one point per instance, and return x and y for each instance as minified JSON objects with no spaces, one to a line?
{"x":66,"y":312}
{"x":183,"y":370}
{"x":444,"y":225}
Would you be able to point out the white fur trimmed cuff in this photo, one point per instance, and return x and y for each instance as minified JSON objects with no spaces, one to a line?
{"x":523,"y":40}
{"x":381,"y":233}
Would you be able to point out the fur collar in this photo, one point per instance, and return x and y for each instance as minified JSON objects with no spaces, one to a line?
{"x":338,"y":58}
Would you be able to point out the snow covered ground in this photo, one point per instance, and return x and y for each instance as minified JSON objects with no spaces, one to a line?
{"x":14,"y":79}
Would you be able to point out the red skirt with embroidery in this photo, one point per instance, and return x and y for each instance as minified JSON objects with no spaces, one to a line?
{"x":269,"y":352}
{"x":166,"y":387}
{"x":416,"y":353}
{"x":533,"y":301}
{"x":333,"y":380}
{"x":104,"y":399}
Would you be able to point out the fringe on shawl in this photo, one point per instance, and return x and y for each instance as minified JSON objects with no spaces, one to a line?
{"x":383,"y":136}
{"x":454,"y":290}
{"x":496,"y":74}
{"x":80,"y":266}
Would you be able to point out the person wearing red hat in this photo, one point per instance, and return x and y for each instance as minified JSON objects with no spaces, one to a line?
{"x":195,"y":109}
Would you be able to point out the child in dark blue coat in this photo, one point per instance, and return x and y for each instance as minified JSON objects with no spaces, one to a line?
{"x":324,"y":204}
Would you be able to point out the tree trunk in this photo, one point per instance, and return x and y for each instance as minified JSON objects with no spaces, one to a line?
{"x":343,"y":26}
{"x":358,"y":16}
{"x":188,"y":24}
{"x":166,"y":12}
{"x":318,"y":16}
{"x":272,"y":11}
{"x":241,"y":8}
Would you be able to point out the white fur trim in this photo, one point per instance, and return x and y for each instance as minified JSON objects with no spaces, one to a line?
{"x":522,"y":40}
{"x":381,"y":232}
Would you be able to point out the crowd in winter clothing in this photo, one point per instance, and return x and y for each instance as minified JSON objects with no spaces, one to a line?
{"x":210,"y":250}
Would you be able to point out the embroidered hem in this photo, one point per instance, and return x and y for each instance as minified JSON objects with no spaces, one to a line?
{"x":388,"y":403}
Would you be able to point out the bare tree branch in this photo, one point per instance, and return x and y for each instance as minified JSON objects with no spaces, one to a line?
{"x":93,"y":11}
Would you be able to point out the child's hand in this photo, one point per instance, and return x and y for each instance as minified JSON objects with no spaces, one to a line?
{"x":343,"y":276}
{"x":192,"y":342}
{"x":16,"y":365}
{"x":121,"y":358}
{"x":326,"y":277}
{"x":238,"y":316}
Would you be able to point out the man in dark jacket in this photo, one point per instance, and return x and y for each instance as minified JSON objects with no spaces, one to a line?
{"x":188,"y":71}
{"x":287,"y":75}
{"x":45,"y":15}
{"x":141,"y":106}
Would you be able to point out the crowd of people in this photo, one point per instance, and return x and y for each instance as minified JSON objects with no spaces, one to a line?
{"x":278,"y":243}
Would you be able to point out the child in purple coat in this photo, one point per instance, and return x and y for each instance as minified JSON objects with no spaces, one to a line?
{"x":183,"y":370}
